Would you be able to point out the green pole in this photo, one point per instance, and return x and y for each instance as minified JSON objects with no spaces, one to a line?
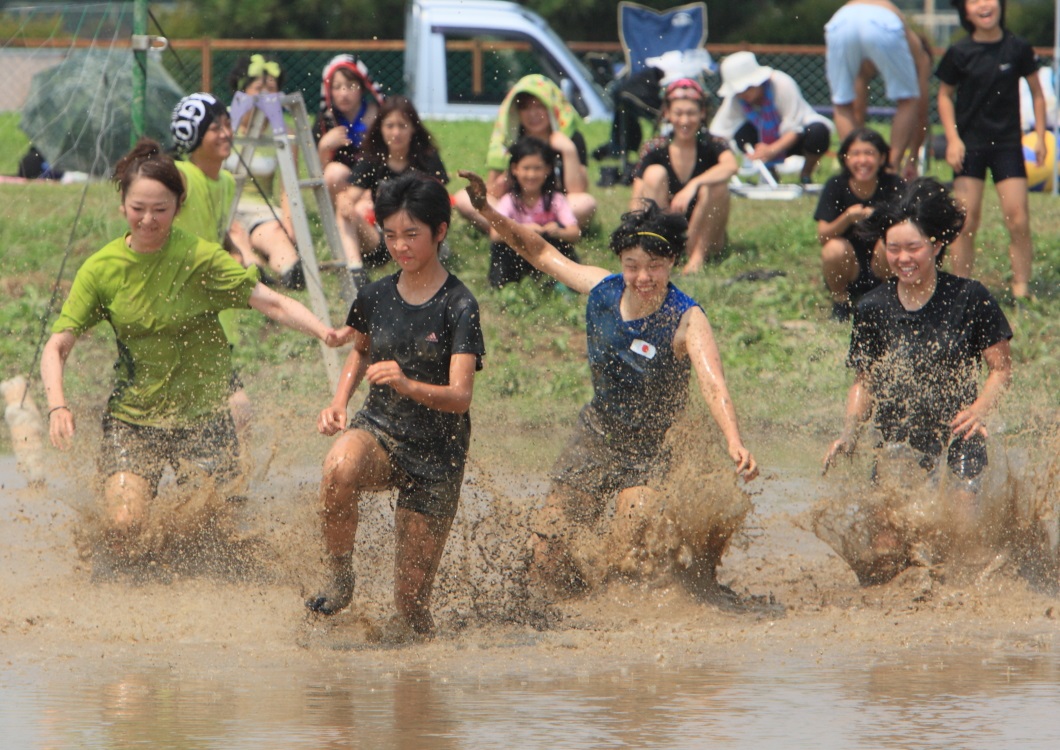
{"x":139,"y":76}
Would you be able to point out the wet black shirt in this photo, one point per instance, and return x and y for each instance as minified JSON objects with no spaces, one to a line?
{"x":987,"y":78}
{"x":421,"y":339}
{"x":923,"y":365}
{"x":837,"y":197}
{"x":708,"y":151}
{"x":369,"y":171}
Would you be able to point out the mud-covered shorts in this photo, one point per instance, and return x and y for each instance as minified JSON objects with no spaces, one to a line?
{"x":432,"y":497}
{"x":965,"y":458}
{"x":593,"y":465}
{"x":211,"y":446}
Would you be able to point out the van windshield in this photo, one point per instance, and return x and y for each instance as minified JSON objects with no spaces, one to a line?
{"x":483,"y":66}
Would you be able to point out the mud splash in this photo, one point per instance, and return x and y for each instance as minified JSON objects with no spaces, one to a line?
{"x":907,"y":518}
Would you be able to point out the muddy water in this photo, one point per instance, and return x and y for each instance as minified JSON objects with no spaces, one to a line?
{"x":218,"y":653}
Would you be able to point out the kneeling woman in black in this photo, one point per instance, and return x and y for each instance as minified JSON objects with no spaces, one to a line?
{"x":853,"y":262}
{"x":417,"y":340}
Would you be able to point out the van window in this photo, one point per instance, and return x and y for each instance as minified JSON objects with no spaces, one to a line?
{"x":483,"y":67}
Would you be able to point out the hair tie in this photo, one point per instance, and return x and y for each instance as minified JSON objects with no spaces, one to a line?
{"x":259,"y":66}
{"x":653,"y":234}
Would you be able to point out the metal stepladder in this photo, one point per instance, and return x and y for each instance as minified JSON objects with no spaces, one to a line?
{"x":268,"y":109}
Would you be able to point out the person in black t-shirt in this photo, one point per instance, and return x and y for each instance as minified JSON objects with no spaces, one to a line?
{"x":396,"y":142}
{"x":853,"y":264}
{"x":917,"y":345}
{"x":979,"y":108}
{"x":417,"y":339}
{"x":690,"y":174}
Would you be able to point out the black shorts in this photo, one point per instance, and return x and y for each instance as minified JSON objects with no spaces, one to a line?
{"x":376,"y":257}
{"x":508,"y":267}
{"x":867,"y":280}
{"x":1004,"y":162}
{"x":592,"y":465}
{"x":427,"y":495}
{"x":211,"y":447}
{"x":966,"y":458}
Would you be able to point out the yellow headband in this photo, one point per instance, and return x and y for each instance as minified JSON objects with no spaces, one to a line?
{"x":653,"y":234}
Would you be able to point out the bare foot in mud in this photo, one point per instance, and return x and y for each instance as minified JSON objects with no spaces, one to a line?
{"x":338,"y":594}
{"x":397,"y":631}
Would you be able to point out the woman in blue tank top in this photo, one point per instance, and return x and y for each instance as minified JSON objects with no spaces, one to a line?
{"x":644,"y":337}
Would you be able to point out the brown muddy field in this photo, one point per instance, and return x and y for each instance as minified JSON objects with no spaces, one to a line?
{"x":214,"y":635}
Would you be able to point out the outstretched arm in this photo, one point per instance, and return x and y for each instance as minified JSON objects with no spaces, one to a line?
{"x":859,"y":407}
{"x":293,"y":314}
{"x":696,"y":338}
{"x":531,"y":245}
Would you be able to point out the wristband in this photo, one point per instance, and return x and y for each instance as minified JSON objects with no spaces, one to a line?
{"x":57,"y":408}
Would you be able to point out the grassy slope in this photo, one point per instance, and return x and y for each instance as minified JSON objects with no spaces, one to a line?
{"x":784,"y":360}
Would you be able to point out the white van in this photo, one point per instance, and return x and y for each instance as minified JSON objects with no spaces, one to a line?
{"x":462,"y":57}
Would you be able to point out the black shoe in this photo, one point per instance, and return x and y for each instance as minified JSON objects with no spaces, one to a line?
{"x":294,"y":277}
{"x":605,"y":151}
{"x":841,"y":311}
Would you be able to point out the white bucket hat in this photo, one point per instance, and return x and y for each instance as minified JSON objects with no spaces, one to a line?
{"x":740,"y":71}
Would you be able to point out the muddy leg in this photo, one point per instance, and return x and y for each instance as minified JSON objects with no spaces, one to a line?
{"x":420,"y":543}
{"x":553,"y":568}
{"x":355,"y":463}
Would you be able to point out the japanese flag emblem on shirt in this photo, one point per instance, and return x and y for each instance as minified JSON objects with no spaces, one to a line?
{"x":643,"y":348}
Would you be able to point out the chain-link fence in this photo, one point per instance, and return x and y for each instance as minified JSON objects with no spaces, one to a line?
{"x":477,"y":71}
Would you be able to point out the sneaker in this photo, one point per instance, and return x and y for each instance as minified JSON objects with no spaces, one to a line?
{"x":841,"y":311}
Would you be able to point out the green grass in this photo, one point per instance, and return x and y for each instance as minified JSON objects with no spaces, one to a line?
{"x":783,"y":358}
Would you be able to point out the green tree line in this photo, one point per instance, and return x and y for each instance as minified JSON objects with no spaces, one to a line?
{"x":754,"y":21}
{"x":729,"y":21}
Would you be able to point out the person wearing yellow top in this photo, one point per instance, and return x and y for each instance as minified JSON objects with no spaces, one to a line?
{"x":161,"y":290}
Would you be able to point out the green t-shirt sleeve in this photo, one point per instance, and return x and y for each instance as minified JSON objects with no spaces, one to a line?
{"x":225,"y":282}
{"x":83,"y":307}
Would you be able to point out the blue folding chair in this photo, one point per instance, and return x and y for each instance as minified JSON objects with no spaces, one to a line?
{"x":645,"y":33}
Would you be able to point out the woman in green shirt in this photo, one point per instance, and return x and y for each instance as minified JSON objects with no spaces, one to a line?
{"x":161,"y":289}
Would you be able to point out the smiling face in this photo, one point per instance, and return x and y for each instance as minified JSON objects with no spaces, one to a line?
{"x":149,"y":207}
{"x":531,"y":172}
{"x":397,"y":133}
{"x":533,"y":116}
{"x":911,"y":256}
{"x":217,"y":140}
{"x":686,"y":115}
{"x":646,"y":276}
{"x":864,"y":161}
{"x":984,"y":15}
{"x":412,"y":244}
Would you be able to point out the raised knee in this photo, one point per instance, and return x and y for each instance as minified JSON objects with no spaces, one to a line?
{"x":836,"y":250}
